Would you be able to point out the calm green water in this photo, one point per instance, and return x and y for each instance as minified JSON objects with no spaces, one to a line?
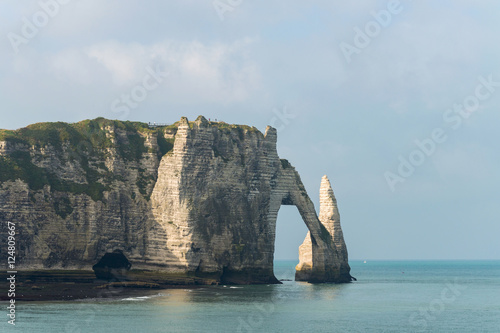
{"x":438,"y":296}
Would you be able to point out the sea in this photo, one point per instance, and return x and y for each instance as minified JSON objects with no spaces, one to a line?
{"x":388,"y":296}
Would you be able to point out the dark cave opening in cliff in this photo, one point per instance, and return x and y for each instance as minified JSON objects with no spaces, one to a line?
{"x":290,"y":233}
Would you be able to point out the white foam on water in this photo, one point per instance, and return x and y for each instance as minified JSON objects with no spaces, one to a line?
{"x":142,"y":298}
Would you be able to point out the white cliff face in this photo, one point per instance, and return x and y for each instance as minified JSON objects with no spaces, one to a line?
{"x":211,"y":201}
{"x":207,"y":207}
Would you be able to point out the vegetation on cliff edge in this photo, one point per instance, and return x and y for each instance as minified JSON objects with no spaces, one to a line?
{"x":88,"y":143}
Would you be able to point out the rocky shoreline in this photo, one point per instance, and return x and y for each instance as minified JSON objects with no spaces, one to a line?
{"x":80,"y":285}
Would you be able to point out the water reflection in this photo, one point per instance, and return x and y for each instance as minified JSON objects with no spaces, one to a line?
{"x":223,"y":294}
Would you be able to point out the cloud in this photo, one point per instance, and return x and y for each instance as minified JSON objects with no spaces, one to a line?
{"x":89,"y":78}
{"x":124,"y":63}
{"x":199,"y":71}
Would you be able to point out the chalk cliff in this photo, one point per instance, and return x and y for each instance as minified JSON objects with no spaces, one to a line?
{"x":195,"y":197}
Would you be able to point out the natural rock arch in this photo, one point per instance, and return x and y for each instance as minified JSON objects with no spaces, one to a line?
{"x":217,"y":199}
{"x":323,"y":254}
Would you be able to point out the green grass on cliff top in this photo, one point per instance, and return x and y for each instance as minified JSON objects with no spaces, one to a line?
{"x":223,"y":125}
{"x":43,"y":134}
{"x":93,"y":133}
{"x":55,"y":133}
{"x":87,"y":142}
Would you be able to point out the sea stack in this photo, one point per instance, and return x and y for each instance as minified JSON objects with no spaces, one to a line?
{"x":330,"y":218}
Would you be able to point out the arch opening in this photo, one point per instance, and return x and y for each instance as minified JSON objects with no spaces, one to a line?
{"x":290,"y":231}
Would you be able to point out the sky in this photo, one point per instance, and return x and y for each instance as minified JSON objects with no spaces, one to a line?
{"x":396,"y":101}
